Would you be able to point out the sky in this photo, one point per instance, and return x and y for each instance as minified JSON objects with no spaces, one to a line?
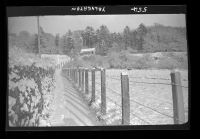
{"x":115,"y":23}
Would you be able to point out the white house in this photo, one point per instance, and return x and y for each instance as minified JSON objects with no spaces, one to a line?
{"x":88,"y":51}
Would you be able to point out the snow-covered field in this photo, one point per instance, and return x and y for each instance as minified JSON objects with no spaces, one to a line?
{"x":149,"y":103}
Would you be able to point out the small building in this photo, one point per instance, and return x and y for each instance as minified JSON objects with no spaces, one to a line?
{"x":88,"y":51}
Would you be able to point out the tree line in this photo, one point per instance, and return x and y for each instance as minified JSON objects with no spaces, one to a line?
{"x":142,"y":39}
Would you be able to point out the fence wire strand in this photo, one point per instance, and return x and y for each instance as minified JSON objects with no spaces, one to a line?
{"x":140,"y":118}
{"x":110,"y":77}
{"x":150,"y":108}
{"x":132,"y":77}
{"x":158,"y":83}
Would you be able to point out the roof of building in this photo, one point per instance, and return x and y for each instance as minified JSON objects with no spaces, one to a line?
{"x":87,"y":50}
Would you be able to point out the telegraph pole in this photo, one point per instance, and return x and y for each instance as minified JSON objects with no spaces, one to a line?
{"x":38,"y":24}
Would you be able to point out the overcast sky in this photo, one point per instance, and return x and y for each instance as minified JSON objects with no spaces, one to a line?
{"x":115,"y":23}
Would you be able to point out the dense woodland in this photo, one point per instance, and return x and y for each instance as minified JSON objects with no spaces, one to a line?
{"x":156,"y":38}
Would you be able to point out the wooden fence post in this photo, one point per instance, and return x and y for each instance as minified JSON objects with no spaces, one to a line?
{"x":86,"y":81}
{"x":103,"y":91}
{"x":74,"y":75}
{"x":79,"y":77}
{"x":71,"y":74}
{"x":177,"y":96}
{"x":82,"y":82}
{"x":93,"y":86}
{"x":125,"y":98}
{"x":67,"y":73}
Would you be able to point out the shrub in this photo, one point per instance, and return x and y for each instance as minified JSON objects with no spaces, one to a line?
{"x":173,"y":60}
{"x":167,"y":63}
{"x":30,"y":89}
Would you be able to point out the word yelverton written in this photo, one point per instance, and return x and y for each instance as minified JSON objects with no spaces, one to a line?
{"x":88,"y":8}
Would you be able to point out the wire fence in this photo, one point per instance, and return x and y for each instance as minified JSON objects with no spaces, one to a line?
{"x":109,"y":77}
{"x":173,"y":84}
{"x":150,"y":78}
{"x":159,"y":83}
{"x":134,"y":101}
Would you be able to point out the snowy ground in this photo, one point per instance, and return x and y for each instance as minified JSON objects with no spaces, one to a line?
{"x":69,"y":109}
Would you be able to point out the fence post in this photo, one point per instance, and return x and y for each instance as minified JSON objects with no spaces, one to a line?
{"x":67,"y":73}
{"x":71,"y":74}
{"x":125,"y":98}
{"x":79,"y":77}
{"x":82,"y":82}
{"x":93,"y":86}
{"x":103,"y":91}
{"x":177,"y":96}
{"x":86,"y":81}
{"x":72,"y":71}
{"x":74,"y":75}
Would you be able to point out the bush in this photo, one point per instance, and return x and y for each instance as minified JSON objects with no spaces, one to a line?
{"x":30,"y":89}
{"x":167,"y":63}
{"x":174,"y":60}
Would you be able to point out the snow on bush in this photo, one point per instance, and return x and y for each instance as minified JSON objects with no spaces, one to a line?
{"x":31,"y":82}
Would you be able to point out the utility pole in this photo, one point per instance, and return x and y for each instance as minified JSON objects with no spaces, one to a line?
{"x":38,"y":24}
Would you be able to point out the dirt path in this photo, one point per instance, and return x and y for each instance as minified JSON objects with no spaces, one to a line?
{"x":69,"y":107}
